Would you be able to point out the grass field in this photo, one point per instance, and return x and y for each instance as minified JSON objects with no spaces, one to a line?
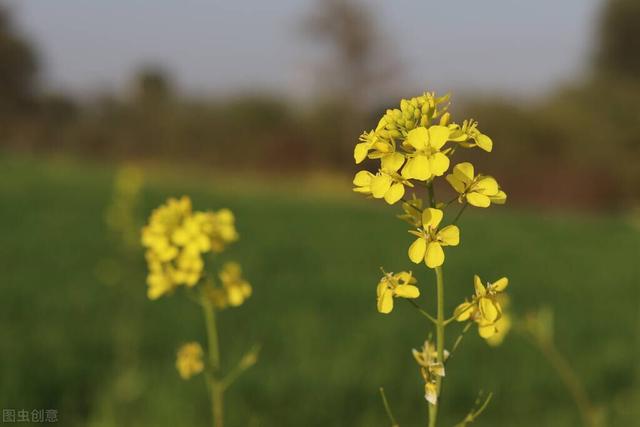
{"x":104,"y":355}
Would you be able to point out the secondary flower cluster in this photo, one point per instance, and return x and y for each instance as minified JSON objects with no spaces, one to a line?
{"x":234,"y":290}
{"x":189,"y":360}
{"x":176,"y":239}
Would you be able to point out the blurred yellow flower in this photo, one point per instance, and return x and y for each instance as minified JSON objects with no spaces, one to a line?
{"x":400,"y":285}
{"x":426,"y":159}
{"x":430,"y":369}
{"x":237,"y":288}
{"x":189,"y":361}
{"x":121,"y":213}
{"x":478,"y":190}
{"x":176,"y":238}
{"x":428,"y":246}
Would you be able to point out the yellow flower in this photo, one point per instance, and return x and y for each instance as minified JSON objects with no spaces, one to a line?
{"x":189,"y":361}
{"x":469,"y":136}
{"x":484,"y":308}
{"x":400,"y":285}
{"x":176,"y":238}
{"x":373,"y":141}
{"x":430,"y":369}
{"x":428,"y":246}
{"x":478,"y":190}
{"x":426,"y":159}
{"x":236,"y":287}
{"x":387,"y":183}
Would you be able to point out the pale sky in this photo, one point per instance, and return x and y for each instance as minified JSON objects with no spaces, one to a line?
{"x":522,"y":47}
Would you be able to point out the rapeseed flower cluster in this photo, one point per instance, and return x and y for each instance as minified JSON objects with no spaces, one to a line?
{"x":177,"y":238}
{"x":412,"y":148}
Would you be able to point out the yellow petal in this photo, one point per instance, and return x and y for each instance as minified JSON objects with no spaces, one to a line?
{"x":500,"y":198}
{"x":439,"y":163}
{"x":395,"y":193}
{"x":484,"y":142}
{"x":464,"y":172}
{"x":438,"y":136}
{"x":417,"y":168}
{"x":463,"y":311}
{"x":487,"y":185}
{"x":489,"y":310}
{"x":500,"y":284}
{"x":417,"y":250}
{"x":392,"y":162}
{"x":479,"y":287}
{"x":417,"y":138}
{"x":385,"y":302}
{"x":380,"y":184}
{"x":478,"y":200}
{"x":405,"y":278}
{"x":363,"y":190}
{"x":486,"y":330}
{"x":382,"y":286}
{"x":456,"y":183}
{"x":407,"y":291}
{"x":360,"y":151}
{"x":362,"y":178}
{"x":449,"y":235}
{"x":435,"y":255}
{"x":431,"y":217}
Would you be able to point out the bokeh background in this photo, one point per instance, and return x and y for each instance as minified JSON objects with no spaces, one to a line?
{"x":107,"y":109}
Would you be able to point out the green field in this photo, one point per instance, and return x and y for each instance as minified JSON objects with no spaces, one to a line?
{"x":104,"y":355}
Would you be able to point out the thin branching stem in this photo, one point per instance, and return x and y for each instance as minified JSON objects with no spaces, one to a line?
{"x":455,"y":220}
{"x":569,"y":378}
{"x":387,"y":408}
{"x":422,"y":311}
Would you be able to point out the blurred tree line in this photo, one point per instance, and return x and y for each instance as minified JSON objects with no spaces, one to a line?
{"x":581,"y":145}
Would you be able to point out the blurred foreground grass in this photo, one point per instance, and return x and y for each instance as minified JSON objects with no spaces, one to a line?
{"x":314,"y":264}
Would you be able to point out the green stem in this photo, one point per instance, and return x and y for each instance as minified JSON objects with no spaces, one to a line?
{"x":433,"y":409}
{"x":455,"y":220}
{"x":212,"y":334}
{"x":422,"y":311}
{"x":216,"y":388}
{"x":432,"y":195}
